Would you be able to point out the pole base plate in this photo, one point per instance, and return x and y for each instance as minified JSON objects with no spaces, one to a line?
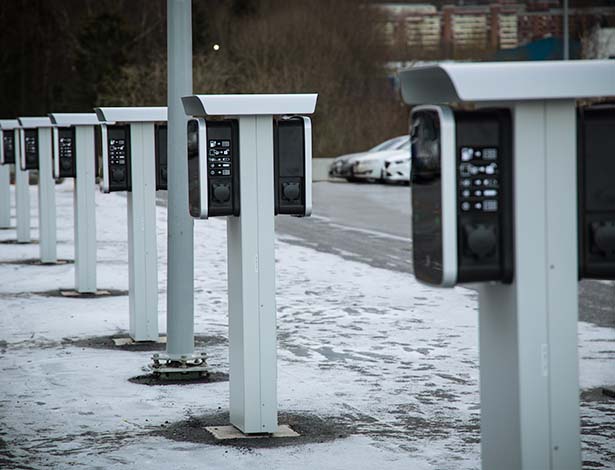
{"x":182,"y":368}
{"x":609,"y":391}
{"x":222,"y":433}
{"x":85,"y":295}
{"x":57,"y":262}
{"x":128,"y":341}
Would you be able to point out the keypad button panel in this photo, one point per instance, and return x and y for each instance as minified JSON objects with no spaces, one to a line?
{"x":479,"y":179}
{"x":31,"y":148}
{"x":8,"y":141}
{"x":117,"y":151}
{"x":219,"y":162}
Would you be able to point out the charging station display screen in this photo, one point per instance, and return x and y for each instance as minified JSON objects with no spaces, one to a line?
{"x":118,"y":148}
{"x":31,"y":148}
{"x":289,"y":167}
{"x":483,"y":167}
{"x":598,"y":149}
{"x":596,"y":173}
{"x":8,"y":142}
{"x":426,"y":197}
{"x":194,"y":185}
{"x":161,"y":157}
{"x":98,"y":151}
{"x":66,"y":152}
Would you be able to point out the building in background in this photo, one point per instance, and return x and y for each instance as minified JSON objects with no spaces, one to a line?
{"x":412,"y":24}
{"x":464,"y":27}
{"x":503,"y":24}
{"x":600,"y":44}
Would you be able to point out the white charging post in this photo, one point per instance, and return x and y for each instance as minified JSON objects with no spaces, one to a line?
{"x":84,"y":202}
{"x":46,"y":185}
{"x":251,"y":257}
{"x":529,"y":384}
{"x":5,"y":196}
{"x":7,"y":128}
{"x":22,"y":194}
{"x":142,"y":246}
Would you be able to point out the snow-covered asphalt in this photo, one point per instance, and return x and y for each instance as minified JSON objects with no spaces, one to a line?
{"x":364,"y":347}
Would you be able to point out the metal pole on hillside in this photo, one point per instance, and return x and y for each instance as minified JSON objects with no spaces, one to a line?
{"x":180,"y":264}
{"x":565,"y":31}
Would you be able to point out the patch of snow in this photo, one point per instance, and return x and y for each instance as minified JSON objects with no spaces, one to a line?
{"x":368,"y":346}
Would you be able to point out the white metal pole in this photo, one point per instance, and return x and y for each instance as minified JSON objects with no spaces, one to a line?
{"x":5,"y":196}
{"x":46,"y":199}
{"x":142,"y":252}
{"x":180,"y":233}
{"x":84,"y":204}
{"x":528,"y":331}
{"x":562,"y":284}
{"x":22,"y":195}
{"x":251,"y":284}
{"x":22,"y":204}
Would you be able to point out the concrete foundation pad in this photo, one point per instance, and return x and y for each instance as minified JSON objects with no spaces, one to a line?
{"x":222,"y":433}
{"x":37,"y":262}
{"x":54,"y":263}
{"x":181,"y":373}
{"x":128,"y":341}
{"x":609,"y":391}
{"x":74,"y":293}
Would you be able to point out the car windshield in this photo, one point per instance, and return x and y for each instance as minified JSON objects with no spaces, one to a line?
{"x":392,"y":144}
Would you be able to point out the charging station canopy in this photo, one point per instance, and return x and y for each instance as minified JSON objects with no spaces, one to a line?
{"x":249,"y":105}
{"x":507,"y":81}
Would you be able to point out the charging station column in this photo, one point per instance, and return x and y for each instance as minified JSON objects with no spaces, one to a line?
{"x":85,"y":210}
{"x":46,"y":199}
{"x":5,"y":195}
{"x":234,"y":170}
{"x":8,"y":153}
{"x":128,"y":150}
{"x":22,"y":204}
{"x":22,"y":194}
{"x":529,"y":386}
{"x":529,"y":328}
{"x":142,"y":251}
{"x":74,"y":157}
{"x":251,"y":280}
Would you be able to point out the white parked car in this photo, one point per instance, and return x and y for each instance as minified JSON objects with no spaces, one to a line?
{"x":397,"y":167}
{"x":342,"y":166}
{"x":370,"y":167}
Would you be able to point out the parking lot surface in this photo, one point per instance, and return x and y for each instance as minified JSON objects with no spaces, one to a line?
{"x":376,"y":369}
{"x":371,"y":223}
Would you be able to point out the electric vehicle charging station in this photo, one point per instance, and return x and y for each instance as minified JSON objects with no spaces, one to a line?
{"x":36,"y":154}
{"x":74,"y":157}
{"x":246,"y":167}
{"x":8,"y":151}
{"x":11,"y":139}
{"x":128,"y":164}
{"x":520,"y":242}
